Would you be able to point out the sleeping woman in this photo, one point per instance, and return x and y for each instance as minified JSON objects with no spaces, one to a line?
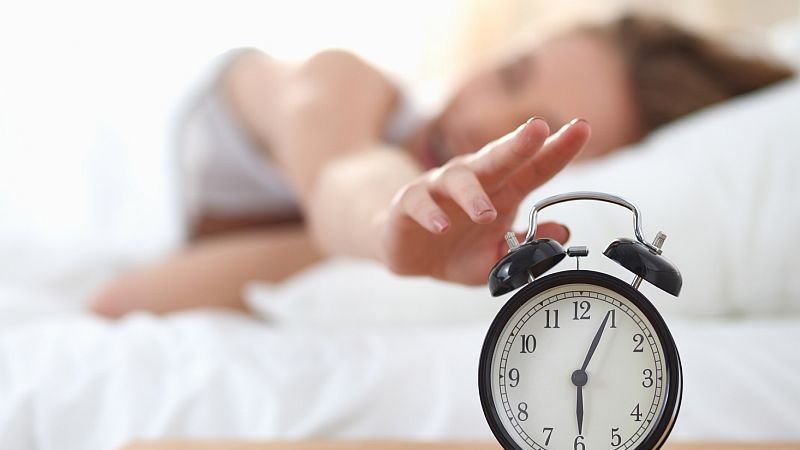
{"x":289,"y":164}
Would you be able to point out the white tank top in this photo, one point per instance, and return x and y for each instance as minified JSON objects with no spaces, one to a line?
{"x":224,"y":173}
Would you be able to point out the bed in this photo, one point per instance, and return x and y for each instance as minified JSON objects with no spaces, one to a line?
{"x":397,"y":358}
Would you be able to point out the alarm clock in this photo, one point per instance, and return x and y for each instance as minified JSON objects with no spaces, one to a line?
{"x":579,"y":359}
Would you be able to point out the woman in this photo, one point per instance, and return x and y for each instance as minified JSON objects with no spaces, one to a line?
{"x":435,"y":201}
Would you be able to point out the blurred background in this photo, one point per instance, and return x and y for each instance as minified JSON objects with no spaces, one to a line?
{"x":89,"y":89}
{"x":89,"y":93}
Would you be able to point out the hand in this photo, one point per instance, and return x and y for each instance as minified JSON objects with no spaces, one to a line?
{"x":449,"y":223}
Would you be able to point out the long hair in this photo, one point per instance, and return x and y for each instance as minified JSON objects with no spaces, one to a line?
{"x":674,"y":72}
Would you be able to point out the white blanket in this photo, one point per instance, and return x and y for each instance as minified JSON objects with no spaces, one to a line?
{"x":75,"y":382}
{"x":348,"y":350}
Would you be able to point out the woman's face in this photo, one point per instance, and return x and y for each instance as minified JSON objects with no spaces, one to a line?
{"x":576,"y":75}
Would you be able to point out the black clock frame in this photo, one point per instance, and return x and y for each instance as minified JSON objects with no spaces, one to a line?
{"x":674,"y":390}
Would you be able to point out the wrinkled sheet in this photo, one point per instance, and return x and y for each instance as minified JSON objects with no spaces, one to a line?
{"x":77,"y":382}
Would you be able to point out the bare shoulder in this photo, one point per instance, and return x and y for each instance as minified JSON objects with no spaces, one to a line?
{"x":346,"y":70}
{"x":337,"y":61}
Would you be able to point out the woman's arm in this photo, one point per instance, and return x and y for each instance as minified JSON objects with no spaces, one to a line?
{"x":303,"y":117}
{"x":210,"y":273}
{"x":448,"y":222}
{"x":364,"y":198}
{"x":331,"y":105}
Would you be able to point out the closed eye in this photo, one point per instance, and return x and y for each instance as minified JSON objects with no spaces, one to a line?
{"x":515,"y":74}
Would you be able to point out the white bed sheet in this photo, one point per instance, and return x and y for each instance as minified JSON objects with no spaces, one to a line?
{"x":77,"y":382}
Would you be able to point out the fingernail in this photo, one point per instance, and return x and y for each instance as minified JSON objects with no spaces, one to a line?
{"x":528,"y":122}
{"x":481,"y":207}
{"x":534,"y":118}
{"x":439,"y":223}
{"x":519,"y":129}
{"x":569,"y":124}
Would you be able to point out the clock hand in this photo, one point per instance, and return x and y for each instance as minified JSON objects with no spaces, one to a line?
{"x":595,"y":341}
{"x":580,"y":377}
{"x":579,"y":409}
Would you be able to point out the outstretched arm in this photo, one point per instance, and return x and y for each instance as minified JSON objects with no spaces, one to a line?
{"x":303,"y":117}
{"x":361,"y":197}
{"x":448,"y":222}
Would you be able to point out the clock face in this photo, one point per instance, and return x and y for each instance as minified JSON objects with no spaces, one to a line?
{"x":580,"y":366}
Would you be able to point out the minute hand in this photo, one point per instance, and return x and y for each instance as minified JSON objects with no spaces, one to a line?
{"x":595,"y":341}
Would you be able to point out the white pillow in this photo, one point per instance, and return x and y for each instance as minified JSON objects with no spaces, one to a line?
{"x":724,"y":184}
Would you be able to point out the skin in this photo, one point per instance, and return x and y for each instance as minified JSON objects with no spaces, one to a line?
{"x":438,"y":209}
{"x":449,"y":223}
{"x":549,"y":81}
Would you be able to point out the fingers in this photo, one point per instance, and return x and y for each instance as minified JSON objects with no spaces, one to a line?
{"x":552,"y":230}
{"x":417,"y":202}
{"x":455,"y":182}
{"x":461,"y":184}
{"x":522,"y":160}
{"x":558,"y":150}
{"x":498,"y":160}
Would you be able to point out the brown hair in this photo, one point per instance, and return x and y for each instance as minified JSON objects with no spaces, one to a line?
{"x":675,"y":72}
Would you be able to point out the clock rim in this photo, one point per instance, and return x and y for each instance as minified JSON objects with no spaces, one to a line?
{"x":664,"y":423}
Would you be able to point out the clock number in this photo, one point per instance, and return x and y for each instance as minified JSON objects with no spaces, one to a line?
{"x":528,"y":342}
{"x":549,"y":432}
{"x":636,"y":414}
{"x":578,"y":444}
{"x":513,"y":375}
{"x":639,"y":340}
{"x":648,"y":378}
{"x":616,"y":439}
{"x":555,"y":320}
{"x":584,"y":307}
{"x":522,"y":413}
{"x":613,"y":318}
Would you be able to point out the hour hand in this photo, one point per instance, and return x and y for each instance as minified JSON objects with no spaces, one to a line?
{"x":579,"y":379}
{"x":579,"y":410}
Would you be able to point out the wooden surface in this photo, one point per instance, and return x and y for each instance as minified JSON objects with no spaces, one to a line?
{"x":374,"y":445}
